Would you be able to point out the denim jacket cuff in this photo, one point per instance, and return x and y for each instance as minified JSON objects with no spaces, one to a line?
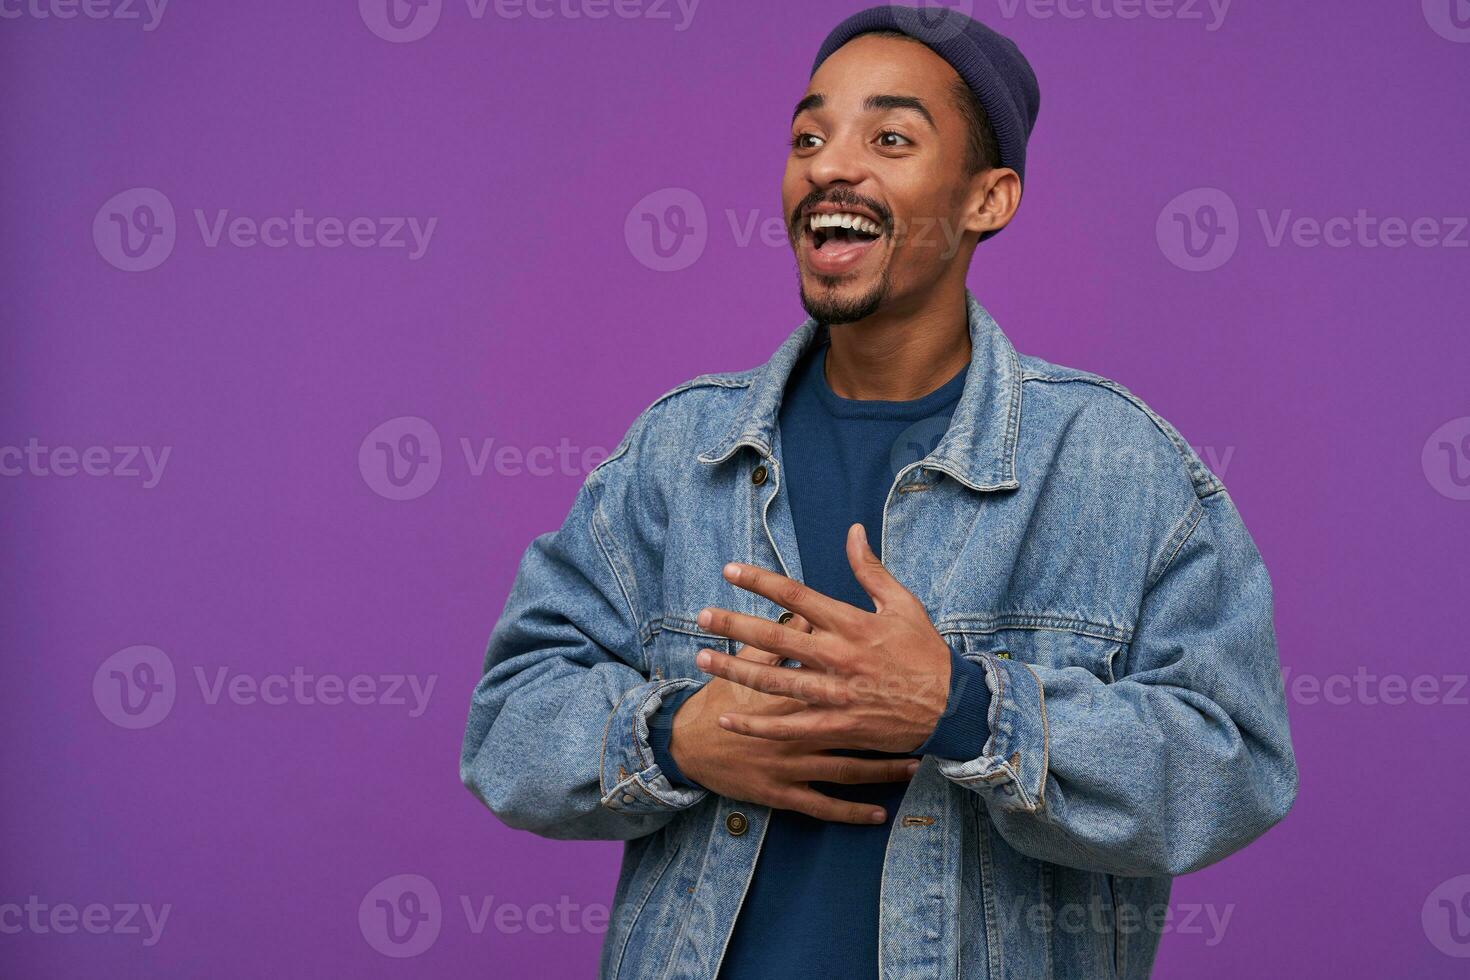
{"x":1010,"y":773}
{"x":632,"y":781}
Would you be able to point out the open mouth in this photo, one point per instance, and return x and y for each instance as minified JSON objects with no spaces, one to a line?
{"x":839,"y":238}
{"x":844,"y":228}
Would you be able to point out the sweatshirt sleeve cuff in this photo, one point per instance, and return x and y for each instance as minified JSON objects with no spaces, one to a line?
{"x":661,"y":732}
{"x":963,"y":728}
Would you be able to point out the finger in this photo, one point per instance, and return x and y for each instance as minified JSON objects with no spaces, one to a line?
{"x":875,"y":578}
{"x":792,"y":621}
{"x":798,"y":623}
{"x":740,"y":698}
{"x":814,"y":804}
{"x":757,"y":655}
{"x":810,"y":725}
{"x":764,"y":634}
{"x":820,"y":610}
{"x":804,"y":685}
{"x":851,"y":771}
{"x":788,"y":619}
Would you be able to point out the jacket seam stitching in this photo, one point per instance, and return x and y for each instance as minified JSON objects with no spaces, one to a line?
{"x":644,"y":762}
{"x":603,"y":537}
{"x":1055,"y":624}
{"x":1202,"y":481}
{"x":641,"y":422}
{"x":602,"y":756}
{"x":1045,"y":738}
{"x":1194,"y":518}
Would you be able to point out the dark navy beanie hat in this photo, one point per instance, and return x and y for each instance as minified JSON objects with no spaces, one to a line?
{"x":990,"y":63}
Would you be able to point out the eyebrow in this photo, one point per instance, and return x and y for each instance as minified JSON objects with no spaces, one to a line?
{"x":873,"y":103}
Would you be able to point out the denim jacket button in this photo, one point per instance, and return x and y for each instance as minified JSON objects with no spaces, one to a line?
{"x":736,"y":823}
{"x":758,"y":475}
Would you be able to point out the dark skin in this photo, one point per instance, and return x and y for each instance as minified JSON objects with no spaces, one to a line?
{"x":877,"y":131}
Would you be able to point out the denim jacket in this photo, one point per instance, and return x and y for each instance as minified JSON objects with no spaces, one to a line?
{"x":1060,"y":534}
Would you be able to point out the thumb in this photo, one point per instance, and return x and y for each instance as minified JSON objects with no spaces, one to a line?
{"x":875,"y":578}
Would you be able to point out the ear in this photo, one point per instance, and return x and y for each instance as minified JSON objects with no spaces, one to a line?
{"x":992,"y":200}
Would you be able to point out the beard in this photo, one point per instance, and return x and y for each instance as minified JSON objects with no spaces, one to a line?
{"x":825,"y":306}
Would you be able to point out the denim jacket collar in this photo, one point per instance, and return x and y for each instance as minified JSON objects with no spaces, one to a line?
{"x":979,"y":447}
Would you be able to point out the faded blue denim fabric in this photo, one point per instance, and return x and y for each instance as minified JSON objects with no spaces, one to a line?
{"x":1061,"y":535}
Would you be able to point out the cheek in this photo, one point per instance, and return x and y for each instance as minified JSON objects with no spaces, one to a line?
{"x":930,"y":233}
{"x":793,"y":188}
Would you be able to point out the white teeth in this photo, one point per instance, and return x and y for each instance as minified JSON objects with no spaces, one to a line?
{"x":845,"y":220}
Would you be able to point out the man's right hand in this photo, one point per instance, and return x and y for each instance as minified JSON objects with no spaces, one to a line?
{"x":772,"y":773}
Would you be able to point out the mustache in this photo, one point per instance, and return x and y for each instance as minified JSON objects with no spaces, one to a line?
{"x":842,"y":197}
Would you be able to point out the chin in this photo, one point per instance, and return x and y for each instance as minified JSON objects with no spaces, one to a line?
{"x":835,"y":300}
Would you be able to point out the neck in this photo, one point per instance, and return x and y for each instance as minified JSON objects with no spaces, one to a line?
{"x":902,"y":352}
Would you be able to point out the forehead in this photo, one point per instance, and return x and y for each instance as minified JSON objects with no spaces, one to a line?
{"x":872,"y":63}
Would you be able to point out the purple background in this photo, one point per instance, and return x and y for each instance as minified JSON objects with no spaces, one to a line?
{"x":1311,"y":378}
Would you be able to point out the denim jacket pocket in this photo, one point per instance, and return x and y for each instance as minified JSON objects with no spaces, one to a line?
{"x":674,"y":647}
{"x":1096,"y":651}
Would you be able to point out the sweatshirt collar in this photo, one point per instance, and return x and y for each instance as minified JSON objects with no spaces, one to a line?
{"x":978,"y":448}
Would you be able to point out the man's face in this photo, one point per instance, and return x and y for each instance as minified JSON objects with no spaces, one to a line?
{"x":878,"y":144}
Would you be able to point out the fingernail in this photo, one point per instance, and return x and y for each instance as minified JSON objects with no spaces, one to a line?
{"x":878,"y":816}
{"x":724,"y":721}
{"x":703,"y":617}
{"x":913,"y":767}
{"x":703,"y":658}
{"x":732,"y":571}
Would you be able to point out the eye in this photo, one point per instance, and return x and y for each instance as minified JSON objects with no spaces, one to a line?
{"x":800,"y":141}
{"x":895,"y":135}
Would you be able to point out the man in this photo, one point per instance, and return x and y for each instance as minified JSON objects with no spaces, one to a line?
{"x":903,"y":654}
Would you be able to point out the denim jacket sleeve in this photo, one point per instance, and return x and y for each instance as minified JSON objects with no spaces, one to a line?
{"x":1181,"y":761}
{"x":557,"y":740}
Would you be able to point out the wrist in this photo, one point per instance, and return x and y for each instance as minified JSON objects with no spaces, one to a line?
{"x":964,"y":727}
{"x":664,"y":736}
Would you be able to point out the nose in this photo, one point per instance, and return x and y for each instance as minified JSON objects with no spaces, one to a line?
{"x":840,"y":160}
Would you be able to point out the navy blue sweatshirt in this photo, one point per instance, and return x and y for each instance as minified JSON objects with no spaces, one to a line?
{"x":812,"y":906}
